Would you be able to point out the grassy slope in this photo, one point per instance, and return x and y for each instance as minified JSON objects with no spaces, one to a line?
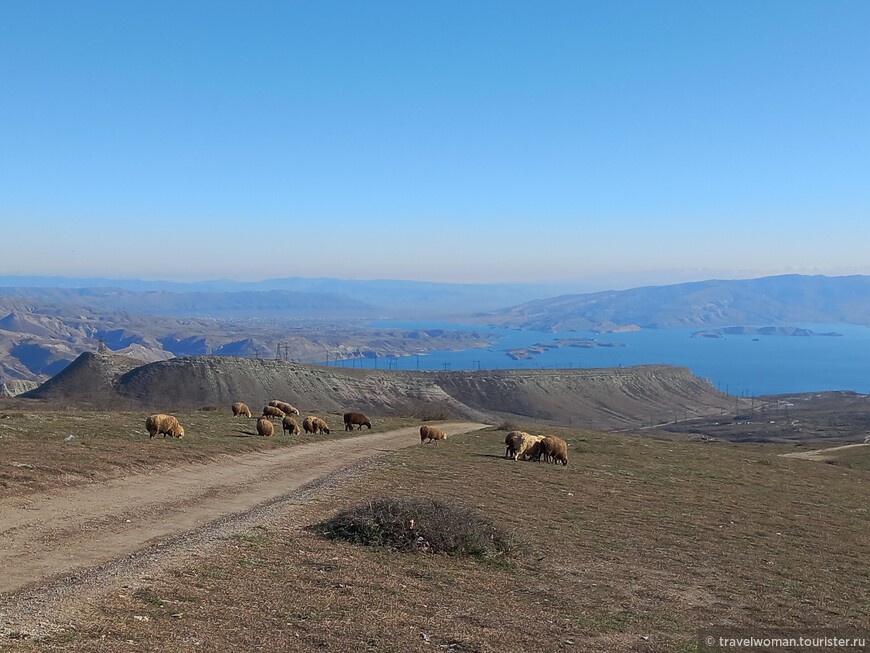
{"x":633,"y":546}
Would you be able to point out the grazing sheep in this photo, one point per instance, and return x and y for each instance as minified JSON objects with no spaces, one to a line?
{"x":271,"y":411}
{"x":430,"y":433}
{"x":553,"y":450}
{"x":290,"y":424}
{"x":521,"y":445}
{"x":242,"y":409}
{"x":265,"y":427}
{"x":165,"y":424}
{"x":284,"y":407}
{"x":313,"y":424}
{"x":507,"y":444}
{"x":356,"y":418}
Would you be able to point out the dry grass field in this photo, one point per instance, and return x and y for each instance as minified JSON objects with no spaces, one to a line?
{"x":634,"y":546}
{"x":36,"y":455}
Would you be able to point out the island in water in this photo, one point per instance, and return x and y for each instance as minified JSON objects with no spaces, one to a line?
{"x":761,"y":331}
{"x":526,"y":353}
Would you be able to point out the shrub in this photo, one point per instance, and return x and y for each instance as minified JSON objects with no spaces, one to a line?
{"x":419,"y":524}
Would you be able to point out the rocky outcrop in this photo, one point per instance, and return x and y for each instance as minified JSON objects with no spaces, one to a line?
{"x":15,"y":388}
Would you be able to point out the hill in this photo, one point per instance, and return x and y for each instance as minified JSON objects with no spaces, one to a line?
{"x":604,"y":398}
{"x":778,"y":300}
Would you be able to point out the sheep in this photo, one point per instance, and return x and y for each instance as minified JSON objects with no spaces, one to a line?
{"x":240,"y":408}
{"x":520,"y":444}
{"x":271,"y":411}
{"x":356,"y":418}
{"x":165,"y":424}
{"x":265,"y":427}
{"x":313,"y":424}
{"x":507,"y":444}
{"x":290,"y":424}
{"x":283,"y":406}
{"x":553,"y":449}
{"x":431,"y":433}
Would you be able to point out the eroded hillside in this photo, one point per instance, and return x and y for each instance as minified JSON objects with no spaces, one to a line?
{"x":609,"y":398}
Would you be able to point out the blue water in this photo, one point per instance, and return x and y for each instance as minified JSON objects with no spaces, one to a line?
{"x":737,"y":364}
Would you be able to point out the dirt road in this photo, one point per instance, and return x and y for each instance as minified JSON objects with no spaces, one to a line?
{"x":62,"y":532}
{"x":821,"y":454}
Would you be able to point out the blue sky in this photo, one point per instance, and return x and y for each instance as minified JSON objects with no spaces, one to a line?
{"x":619,"y":142}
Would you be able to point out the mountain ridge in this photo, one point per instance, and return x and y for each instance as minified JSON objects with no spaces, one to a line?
{"x":779,"y":300}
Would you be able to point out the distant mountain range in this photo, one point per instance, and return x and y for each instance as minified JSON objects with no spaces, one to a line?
{"x":388,"y":298}
{"x":235,"y":304}
{"x":780,"y":300}
{"x":39,"y":337}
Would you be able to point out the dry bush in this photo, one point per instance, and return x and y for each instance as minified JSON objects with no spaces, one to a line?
{"x":419,"y":524}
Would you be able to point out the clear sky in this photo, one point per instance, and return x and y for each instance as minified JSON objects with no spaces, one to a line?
{"x":448,"y":141}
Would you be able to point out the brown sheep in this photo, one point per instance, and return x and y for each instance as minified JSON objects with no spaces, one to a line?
{"x":356,"y":418}
{"x":313,"y":424}
{"x":554,"y":449}
{"x":290,"y":424}
{"x":242,"y":409}
{"x":165,"y":424}
{"x":271,"y":411}
{"x":265,"y":427}
{"x":431,"y":433}
{"x":520,"y":445}
{"x":507,"y":444}
{"x":284,"y":407}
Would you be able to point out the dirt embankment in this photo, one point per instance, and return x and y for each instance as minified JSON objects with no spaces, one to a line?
{"x":610,"y":398}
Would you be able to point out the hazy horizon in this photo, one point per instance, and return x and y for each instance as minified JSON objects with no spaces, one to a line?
{"x":601,"y":144}
{"x":539,"y":288}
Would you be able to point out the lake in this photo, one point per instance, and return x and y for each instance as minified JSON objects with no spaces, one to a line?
{"x":745,"y":365}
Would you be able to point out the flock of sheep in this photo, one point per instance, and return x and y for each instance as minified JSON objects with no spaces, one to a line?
{"x":519,"y":445}
{"x":159,"y":423}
